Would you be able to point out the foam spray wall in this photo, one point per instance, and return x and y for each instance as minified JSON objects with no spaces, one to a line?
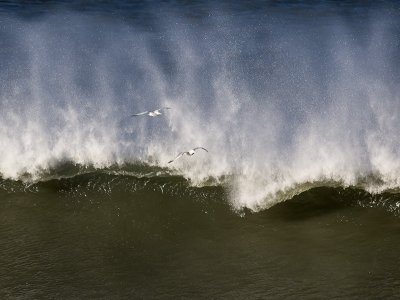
{"x":279,"y":104}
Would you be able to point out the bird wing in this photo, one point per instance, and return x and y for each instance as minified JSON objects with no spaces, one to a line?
{"x":160,"y":109}
{"x":200,"y":148}
{"x":140,"y":114}
{"x":179,"y":155}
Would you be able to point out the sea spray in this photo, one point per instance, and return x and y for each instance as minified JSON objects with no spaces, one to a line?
{"x":278,"y":104}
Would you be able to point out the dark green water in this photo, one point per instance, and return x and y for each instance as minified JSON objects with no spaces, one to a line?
{"x":76,"y":239}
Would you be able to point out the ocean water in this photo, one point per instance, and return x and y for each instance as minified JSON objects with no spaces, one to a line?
{"x":297,"y":102}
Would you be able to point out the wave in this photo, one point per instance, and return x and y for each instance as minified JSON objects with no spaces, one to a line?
{"x":82,"y":182}
{"x":282,"y":105}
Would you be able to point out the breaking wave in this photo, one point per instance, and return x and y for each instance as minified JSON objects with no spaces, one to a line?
{"x":282,"y":105}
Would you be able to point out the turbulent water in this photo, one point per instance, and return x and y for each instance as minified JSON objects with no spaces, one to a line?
{"x":278,"y":102}
{"x":298,"y":104}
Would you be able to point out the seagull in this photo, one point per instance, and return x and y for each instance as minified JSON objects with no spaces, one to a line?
{"x":152,"y":113}
{"x":189,"y":153}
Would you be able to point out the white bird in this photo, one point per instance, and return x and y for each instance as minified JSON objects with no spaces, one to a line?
{"x":152,"y":113}
{"x":189,"y":153}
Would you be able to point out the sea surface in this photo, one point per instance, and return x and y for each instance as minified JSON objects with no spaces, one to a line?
{"x":297,"y":103}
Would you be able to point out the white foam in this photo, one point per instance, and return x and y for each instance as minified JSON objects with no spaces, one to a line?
{"x":275,"y":111}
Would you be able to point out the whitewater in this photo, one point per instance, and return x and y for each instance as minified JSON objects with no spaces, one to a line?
{"x":281,"y":106}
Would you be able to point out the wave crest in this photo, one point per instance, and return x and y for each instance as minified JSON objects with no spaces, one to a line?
{"x":79,"y":181}
{"x":280,"y":110}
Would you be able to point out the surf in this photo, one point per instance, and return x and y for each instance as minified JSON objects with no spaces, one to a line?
{"x":277,"y":107}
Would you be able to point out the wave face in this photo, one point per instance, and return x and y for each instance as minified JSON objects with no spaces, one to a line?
{"x":280,"y":103}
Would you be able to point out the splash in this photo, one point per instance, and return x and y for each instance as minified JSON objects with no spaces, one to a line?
{"x":278,"y":103}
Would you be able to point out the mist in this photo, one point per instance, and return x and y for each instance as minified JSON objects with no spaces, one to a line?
{"x":282,"y":105}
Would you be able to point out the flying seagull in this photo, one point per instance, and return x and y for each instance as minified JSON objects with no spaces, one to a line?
{"x":152,"y":113}
{"x":189,"y":153}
